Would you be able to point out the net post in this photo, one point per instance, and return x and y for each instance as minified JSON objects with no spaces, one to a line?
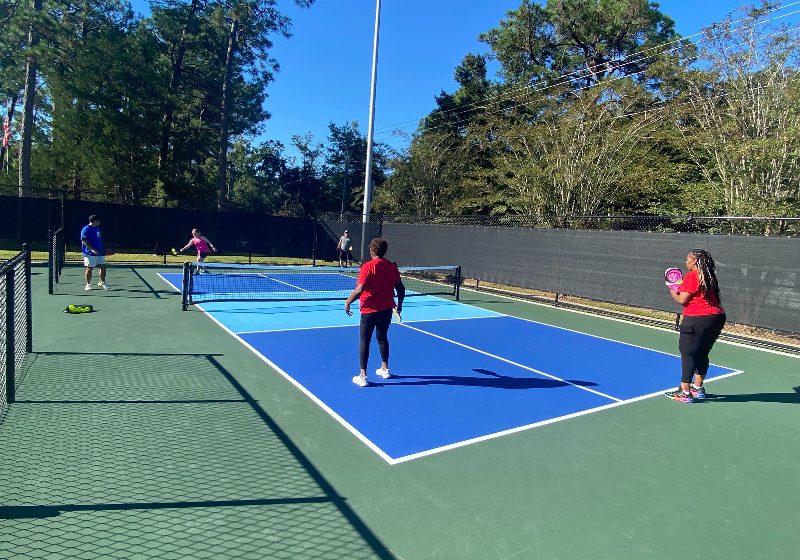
{"x":50,"y":263}
{"x":10,"y":345}
{"x":187,"y":274}
{"x":28,"y":299}
{"x":314,"y":242}
{"x":62,"y":251}
{"x":458,"y":283}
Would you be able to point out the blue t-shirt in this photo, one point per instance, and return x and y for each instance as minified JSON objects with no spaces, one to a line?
{"x":92,"y":235}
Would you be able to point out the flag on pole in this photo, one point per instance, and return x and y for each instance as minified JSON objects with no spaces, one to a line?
{"x":6,"y":132}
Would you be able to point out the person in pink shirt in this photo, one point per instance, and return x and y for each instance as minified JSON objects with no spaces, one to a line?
{"x":201,"y":243}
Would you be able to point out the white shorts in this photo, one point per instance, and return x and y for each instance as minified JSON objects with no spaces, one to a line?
{"x":93,"y":261}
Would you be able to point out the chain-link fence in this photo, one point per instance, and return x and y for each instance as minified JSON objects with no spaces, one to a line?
{"x":739,"y":225}
{"x":16,"y":341}
{"x":612,"y":265}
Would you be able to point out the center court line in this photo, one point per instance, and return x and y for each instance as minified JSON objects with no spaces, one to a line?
{"x":517,"y":364}
{"x":285,"y":283}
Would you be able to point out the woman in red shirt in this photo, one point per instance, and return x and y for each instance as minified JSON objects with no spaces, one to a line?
{"x":378,"y":279}
{"x":703,"y":319}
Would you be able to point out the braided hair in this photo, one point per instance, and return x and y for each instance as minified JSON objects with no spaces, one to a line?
{"x":706,"y":273}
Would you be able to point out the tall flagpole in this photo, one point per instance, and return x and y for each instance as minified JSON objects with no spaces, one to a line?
{"x":371,"y":128}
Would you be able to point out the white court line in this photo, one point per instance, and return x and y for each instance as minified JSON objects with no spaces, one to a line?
{"x":617,"y":319}
{"x":297,"y":384}
{"x":296,"y":329}
{"x":573,"y":330}
{"x":394,"y":461}
{"x":513,"y":363}
{"x":285,"y":283}
{"x":510,"y":431}
{"x":355,"y":325}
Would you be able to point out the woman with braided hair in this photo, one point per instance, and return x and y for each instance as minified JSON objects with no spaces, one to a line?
{"x":703,"y":319}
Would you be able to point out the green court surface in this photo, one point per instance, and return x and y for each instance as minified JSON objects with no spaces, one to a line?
{"x":141,"y":431}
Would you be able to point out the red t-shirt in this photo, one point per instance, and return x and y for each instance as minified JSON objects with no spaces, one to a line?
{"x":379,"y":277}
{"x":699,"y":303}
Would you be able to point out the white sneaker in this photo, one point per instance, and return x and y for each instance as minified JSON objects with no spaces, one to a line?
{"x":87,"y":288}
{"x":385,"y":373}
{"x":102,"y":284}
{"x":360,"y":381}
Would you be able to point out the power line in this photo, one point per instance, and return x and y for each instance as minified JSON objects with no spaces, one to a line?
{"x":563,"y":79}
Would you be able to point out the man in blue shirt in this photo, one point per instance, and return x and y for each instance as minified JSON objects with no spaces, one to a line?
{"x":94,"y":254}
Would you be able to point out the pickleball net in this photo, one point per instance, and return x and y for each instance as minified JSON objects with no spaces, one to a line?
{"x":238,"y":282}
{"x":56,"y":256}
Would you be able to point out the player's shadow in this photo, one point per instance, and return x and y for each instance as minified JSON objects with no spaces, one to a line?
{"x":489,"y":379}
{"x":787,"y":398}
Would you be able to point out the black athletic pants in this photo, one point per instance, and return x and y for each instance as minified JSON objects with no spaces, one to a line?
{"x":698,"y":335}
{"x":380,"y":321}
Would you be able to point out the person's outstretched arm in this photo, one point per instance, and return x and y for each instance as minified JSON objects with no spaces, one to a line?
{"x":353,"y":296}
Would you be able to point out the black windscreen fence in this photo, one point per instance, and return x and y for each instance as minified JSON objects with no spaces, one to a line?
{"x":331,"y":230}
{"x":156,"y":230}
{"x":758,"y":275}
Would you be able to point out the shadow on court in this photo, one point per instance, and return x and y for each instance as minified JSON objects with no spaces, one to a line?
{"x":124,"y":281}
{"x":786,"y":398}
{"x":489,"y":380}
{"x":146,"y":454}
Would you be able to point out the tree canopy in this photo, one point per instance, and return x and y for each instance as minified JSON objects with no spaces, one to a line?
{"x":598,"y":106}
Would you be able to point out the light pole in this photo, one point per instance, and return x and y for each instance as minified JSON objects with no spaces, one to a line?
{"x":371,"y":128}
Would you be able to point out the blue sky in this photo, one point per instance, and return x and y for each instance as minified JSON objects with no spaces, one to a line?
{"x":326,"y":64}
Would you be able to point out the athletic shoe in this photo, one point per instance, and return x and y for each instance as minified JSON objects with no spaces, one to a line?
{"x":88,"y":287}
{"x":360,"y":381}
{"x":102,"y":284}
{"x":680,"y":396}
{"x":698,"y":393}
{"x":383,"y":373}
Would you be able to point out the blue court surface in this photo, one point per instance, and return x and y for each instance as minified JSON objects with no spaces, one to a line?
{"x":461,"y":374}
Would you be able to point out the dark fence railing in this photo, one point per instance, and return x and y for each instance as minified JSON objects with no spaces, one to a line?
{"x":16,"y":340}
{"x":548,"y":254}
{"x":739,"y":225}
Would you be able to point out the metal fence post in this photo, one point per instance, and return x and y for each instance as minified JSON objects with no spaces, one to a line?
{"x":28,"y":298}
{"x":10,"y":346}
{"x":50,"y":264}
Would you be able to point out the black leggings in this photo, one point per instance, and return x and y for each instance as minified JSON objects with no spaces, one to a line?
{"x":369,"y":322}
{"x":698,"y":335}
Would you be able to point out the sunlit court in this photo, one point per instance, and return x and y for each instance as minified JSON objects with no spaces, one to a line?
{"x":399,"y":280}
{"x":451,"y":359}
